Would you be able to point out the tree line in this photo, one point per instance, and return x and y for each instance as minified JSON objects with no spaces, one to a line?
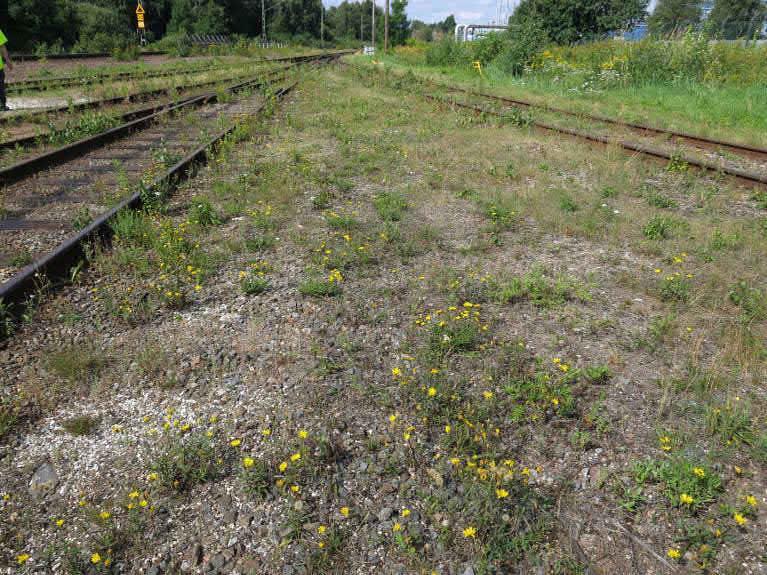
{"x":729,"y":19}
{"x":101,"y":25}
{"x":571,"y":21}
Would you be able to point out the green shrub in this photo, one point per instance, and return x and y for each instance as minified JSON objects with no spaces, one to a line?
{"x":186,"y":461}
{"x":203,"y":213}
{"x":753,"y":301}
{"x":390,"y":206}
{"x":659,"y":228}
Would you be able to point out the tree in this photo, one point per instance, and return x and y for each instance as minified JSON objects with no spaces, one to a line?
{"x":32,"y":22}
{"x":198,"y":17}
{"x":447,"y":25}
{"x":399,"y":27}
{"x":343,"y":21}
{"x":674,"y":16}
{"x":421,"y":31}
{"x":568,"y":21}
{"x":733,"y":19}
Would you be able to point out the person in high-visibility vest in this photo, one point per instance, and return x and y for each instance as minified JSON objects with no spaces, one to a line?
{"x":5,"y":59}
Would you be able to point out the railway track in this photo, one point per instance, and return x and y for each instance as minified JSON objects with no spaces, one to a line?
{"x":129,"y":122}
{"x":90,"y":104}
{"x":40,"y":138}
{"x":47,"y":199}
{"x":747,"y":164}
{"x":43,"y":84}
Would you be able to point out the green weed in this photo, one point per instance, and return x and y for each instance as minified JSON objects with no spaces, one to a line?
{"x":81,"y":425}
{"x":203,"y":214}
{"x":659,"y":228}
{"x":390,"y":206}
{"x":685,"y":484}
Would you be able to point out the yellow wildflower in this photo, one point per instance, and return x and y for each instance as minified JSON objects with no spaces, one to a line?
{"x":699,"y":471}
{"x":95,"y":558}
{"x":501,"y":493}
{"x":295,"y":457}
{"x":405,"y":512}
{"x":105,"y":515}
{"x":321,"y":529}
{"x":740,"y":519}
{"x":345,"y":511}
{"x":303,"y":434}
{"x":22,"y":558}
{"x":686,"y":499}
{"x":235,"y":442}
{"x":469,"y":532}
{"x":751,"y":500}
{"x":432,"y":391}
{"x":674,"y":553}
{"x":283,"y":466}
{"x":396,"y":527}
{"x":248,"y":462}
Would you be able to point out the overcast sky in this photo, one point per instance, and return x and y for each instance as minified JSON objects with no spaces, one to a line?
{"x":467,"y":11}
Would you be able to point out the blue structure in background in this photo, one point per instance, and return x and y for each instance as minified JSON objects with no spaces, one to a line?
{"x":636,"y":33}
{"x":640,"y":31}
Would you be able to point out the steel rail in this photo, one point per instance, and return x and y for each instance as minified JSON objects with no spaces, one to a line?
{"x":740,"y":174}
{"x":30,"y":166}
{"x":55,"y":265}
{"x":76,"y":55}
{"x":43,"y":84}
{"x":26,"y":141}
{"x":135,"y":96}
{"x":749,"y":149}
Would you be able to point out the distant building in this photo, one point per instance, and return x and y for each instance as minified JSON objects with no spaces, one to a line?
{"x":636,"y":33}
{"x":471,"y":32}
{"x":706,"y":8}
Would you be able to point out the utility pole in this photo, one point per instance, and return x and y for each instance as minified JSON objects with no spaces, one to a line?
{"x":263,"y":22}
{"x":373,"y":31}
{"x":386,"y":27}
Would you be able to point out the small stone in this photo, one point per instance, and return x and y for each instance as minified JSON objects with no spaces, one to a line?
{"x":469,"y":571}
{"x":384,"y":514}
{"x":217,"y":561}
{"x":44,"y":479}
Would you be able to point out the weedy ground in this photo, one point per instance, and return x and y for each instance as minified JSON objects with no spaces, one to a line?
{"x":376,"y":335}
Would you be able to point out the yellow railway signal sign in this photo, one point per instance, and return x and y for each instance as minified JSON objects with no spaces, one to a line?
{"x":140,"y":16}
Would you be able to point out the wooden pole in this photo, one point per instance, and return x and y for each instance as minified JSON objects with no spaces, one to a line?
{"x":263,"y":22}
{"x":386,"y":27}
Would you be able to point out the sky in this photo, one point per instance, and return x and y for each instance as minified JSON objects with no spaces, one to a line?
{"x":465,"y":11}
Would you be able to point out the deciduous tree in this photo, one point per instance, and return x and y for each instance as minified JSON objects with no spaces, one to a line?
{"x":568,"y":21}
{"x":674,"y":16}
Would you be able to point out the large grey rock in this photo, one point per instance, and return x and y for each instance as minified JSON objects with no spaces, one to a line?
{"x":44,"y":479}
